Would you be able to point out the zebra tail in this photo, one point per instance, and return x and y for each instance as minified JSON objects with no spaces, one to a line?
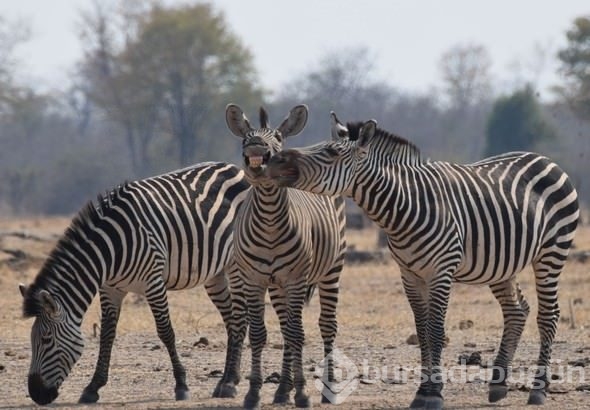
{"x":309,"y":293}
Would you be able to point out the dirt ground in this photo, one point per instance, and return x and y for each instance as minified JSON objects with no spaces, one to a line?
{"x":375,"y":322}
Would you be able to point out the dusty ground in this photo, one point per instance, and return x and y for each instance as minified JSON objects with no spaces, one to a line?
{"x":375,"y":323}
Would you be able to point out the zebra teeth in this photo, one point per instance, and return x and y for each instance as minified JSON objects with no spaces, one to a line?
{"x":255,"y":162}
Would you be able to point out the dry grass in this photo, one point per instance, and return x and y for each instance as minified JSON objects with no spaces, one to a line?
{"x":374,"y":317}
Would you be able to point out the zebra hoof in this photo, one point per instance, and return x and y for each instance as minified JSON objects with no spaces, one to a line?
{"x":282,"y":393}
{"x":281,"y":399}
{"x":302,"y":401}
{"x":537,"y":397}
{"x":419,"y":402}
{"x":225,"y":390}
{"x":252,"y":401}
{"x":497,"y":392}
{"x":434,"y":403}
{"x":88,"y":397}
{"x":182,"y":394}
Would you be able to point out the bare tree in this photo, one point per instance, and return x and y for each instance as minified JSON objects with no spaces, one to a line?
{"x":165,"y":72}
{"x":110,"y":84}
{"x":466,"y":73}
{"x":12,"y":34}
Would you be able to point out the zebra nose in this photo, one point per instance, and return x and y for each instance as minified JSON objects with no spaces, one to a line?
{"x":38,"y":392}
{"x":279,"y":158}
{"x":282,"y":158}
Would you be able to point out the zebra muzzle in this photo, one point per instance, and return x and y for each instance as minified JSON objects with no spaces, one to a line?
{"x":256,"y":158}
{"x":39,"y":392}
{"x":282,"y":170}
{"x":255,"y":162}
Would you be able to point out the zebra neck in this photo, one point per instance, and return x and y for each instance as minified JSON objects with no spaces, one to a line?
{"x":71,"y":283}
{"x":77,"y":267}
{"x":378,"y":192}
{"x":269,"y":204}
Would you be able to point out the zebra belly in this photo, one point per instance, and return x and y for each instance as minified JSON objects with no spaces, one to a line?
{"x":183,"y":275}
{"x":476,"y":272}
{"x":482,"y":278}
{"x":135,"y":286}
{"x":270,"y":271}
{"x":498,"y":257}
{"x":483,"y":267}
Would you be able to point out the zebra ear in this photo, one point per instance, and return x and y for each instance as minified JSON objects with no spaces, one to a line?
{"x":236,"y":121}
{"x":295,"y":121}
{"x":264,"y":122}
{"x":23,"y":289}
{"x":337,"y":128}
{"x":48,"y":303}
{"x":366,"y":133}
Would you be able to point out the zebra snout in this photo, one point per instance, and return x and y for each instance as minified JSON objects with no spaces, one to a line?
{"x":281,"y":168}
{"x":285,"y":158}
{"x":256,"y":157}
{"x":38,"y":392}
{"x":278,"y":159}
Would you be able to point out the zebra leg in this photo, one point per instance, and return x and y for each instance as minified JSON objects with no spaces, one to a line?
{"x":110,"y":309}
{"x":218,"y":291}
{"x":278,"y":299}
{"x":158,"y":301}
{"x":239,"y":315}
{"x":295,"y":337}
{"x":328,"y":290}
{"x":415,"y":290}
{"x":547,"y":272}
{"x":257,"y":333}
{"x":515,"y":310}
{"x":438,"y":300}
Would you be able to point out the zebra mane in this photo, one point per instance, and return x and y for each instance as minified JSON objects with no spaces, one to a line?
{"x":391,"y":140}
{"x":91,"y":212}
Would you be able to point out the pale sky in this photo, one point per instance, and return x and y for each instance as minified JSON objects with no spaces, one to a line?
{"x":287,"y":38}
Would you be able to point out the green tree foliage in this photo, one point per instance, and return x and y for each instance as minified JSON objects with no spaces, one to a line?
{"x":172,"y":77}
{"x":575,"y":66}
{"x":516,"y":123}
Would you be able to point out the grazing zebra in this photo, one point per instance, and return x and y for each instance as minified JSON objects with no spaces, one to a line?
{"x":168,"y":232}
{"x":289,"y":242}
{"x":478,"y":224}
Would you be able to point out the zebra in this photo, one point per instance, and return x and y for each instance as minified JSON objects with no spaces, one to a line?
{"x":289,"y":242}
{"x":169,"y":232}
{"x":478,"y":224}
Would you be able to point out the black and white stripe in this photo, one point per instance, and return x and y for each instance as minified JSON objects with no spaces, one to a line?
{"x":286,"y":241}
{"x":477,"y":224}
{"x":168,"y":232}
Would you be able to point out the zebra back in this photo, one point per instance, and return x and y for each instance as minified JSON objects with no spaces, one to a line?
{"x":181,"y":222}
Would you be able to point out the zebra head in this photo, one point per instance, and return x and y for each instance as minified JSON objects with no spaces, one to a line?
{"x":328,"y":168}
{"x":56,"y":343}
{"x":259,"y":145}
